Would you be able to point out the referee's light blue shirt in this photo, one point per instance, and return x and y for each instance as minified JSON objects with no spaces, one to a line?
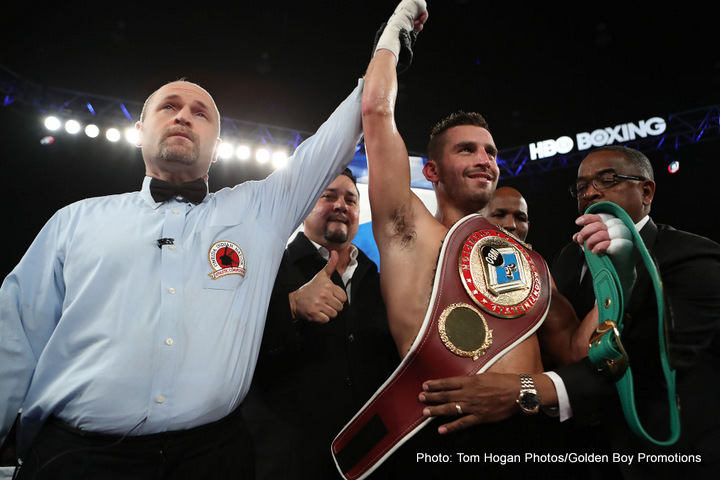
{"x":102,"y":328}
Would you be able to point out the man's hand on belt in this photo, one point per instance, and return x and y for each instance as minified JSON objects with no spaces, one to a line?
{"x":486,"y":397}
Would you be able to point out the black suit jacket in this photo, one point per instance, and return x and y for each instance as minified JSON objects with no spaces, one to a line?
{"x":690,"y":270}
{"x":312,"y":378}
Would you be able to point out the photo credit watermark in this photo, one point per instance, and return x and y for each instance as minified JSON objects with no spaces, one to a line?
{"x":568,"y":457}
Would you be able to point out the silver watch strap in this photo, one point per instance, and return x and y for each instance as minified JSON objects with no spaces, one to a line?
{"x":526,"y":382}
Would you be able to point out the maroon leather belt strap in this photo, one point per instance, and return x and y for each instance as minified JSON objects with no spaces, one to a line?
{"x":490,"y":293}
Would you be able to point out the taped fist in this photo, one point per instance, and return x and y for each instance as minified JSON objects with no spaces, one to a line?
{"x":399,"y":33}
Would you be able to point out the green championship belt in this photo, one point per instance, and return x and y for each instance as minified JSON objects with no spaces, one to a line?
{"x":606,"y":349}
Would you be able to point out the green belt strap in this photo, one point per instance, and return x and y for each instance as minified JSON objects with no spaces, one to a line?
{"x":606,"y":350}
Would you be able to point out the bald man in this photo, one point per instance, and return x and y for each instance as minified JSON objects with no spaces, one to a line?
{"x":508,"y":209}
{"x":131,"y":327}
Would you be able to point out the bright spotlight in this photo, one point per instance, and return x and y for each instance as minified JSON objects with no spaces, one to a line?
{"x":674,"y":166}
{"x":262,"y":155}
{"x":92,"y":131}
{"x":131,"y":135}
{"x":226,"y":151}
{"x":243,"y":152}
{"x":279,"y":159}
{"x":112,"y":134}
{"x":72,"y":127}
{"x":52,"y":123}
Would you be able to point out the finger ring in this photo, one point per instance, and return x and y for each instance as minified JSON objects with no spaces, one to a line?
{"x":457,"y":407}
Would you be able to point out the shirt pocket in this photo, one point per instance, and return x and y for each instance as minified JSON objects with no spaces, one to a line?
{"x":224,"y":263}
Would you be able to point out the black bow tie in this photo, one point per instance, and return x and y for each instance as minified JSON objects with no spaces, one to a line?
{"x":194,"y":191}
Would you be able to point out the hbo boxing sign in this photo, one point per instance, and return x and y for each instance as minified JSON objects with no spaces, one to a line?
{"x":598,"y":138}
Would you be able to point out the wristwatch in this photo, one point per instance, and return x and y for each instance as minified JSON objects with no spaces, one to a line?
{"x":529,"y":400}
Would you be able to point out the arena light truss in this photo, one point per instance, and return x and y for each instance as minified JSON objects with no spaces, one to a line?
{"x":247,"y":141}
{"x":68,"y":112}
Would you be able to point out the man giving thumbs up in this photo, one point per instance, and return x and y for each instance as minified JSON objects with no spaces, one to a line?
{"x":326,"y":346}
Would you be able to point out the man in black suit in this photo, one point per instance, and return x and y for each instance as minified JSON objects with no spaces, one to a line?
{"x":690,"y":270}
{"x":326,"y":347}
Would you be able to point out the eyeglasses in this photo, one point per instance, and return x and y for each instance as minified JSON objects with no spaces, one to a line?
{"x":601,"y":182}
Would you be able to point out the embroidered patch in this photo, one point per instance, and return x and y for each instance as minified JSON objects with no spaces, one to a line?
{"x":226,"y":258}
{"x":499,"y":274}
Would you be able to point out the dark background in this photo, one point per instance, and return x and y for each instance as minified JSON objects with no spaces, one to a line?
{"x":536,"y":71}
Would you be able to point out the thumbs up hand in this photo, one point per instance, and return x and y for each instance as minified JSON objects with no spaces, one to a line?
{"x":320,"y":299}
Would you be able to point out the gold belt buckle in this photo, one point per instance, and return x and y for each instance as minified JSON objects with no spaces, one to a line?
{"x":613,"y":356}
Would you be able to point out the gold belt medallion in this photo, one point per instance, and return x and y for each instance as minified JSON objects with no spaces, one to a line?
{"x":499,"y":274}
{"x":464,"y":331}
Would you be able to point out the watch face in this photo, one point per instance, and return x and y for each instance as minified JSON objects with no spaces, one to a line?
{"x":529,"y":401}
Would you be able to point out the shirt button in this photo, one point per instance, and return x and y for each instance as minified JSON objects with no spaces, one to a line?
{"x":180,"y":197}
{"x":169,"y":341}
{"x":351,"y":338}
{"x":171,"y":247}
{"x":176,"y":211}
{"x":171,"y":290}
{"x":160,"y":399}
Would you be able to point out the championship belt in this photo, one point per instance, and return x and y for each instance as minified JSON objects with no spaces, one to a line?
{"x":606,"y":349}
{"x":490,"y":293}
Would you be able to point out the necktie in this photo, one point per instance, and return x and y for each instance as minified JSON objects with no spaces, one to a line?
{"x":194,"y":191}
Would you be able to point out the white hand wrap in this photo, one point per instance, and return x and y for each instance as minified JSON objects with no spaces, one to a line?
{"x":403,"y":17}
{"x":620,"y":238}
{"x":621,"y":251}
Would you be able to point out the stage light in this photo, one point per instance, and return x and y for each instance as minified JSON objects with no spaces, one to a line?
{"x":674,"y":166}
{"x":112,"y":134}
{"x":52,"y":123}
{"x":243,"y":152}
{"x":131,"y":135}
{"x":262,"y":155}
{"x":225,"y":151}
{"x":92,"y":131}
{"x":279,"y":159}
{"x":72,"y":127}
